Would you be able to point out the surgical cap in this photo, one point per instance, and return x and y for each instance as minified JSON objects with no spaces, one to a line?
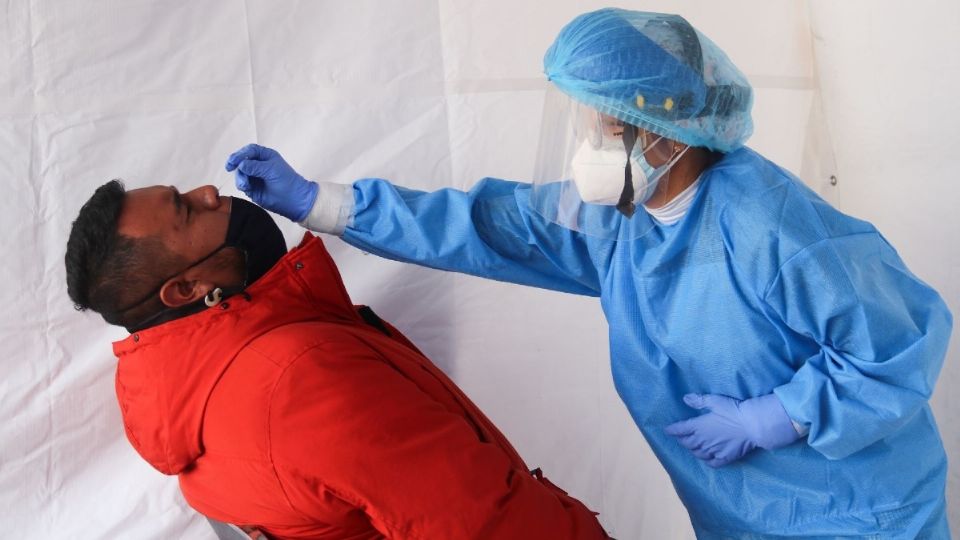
{"x":654,"y":71}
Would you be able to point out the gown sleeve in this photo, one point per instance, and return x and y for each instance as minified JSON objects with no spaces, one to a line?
{"x":883,"y":335}
{"x":488,"y":231}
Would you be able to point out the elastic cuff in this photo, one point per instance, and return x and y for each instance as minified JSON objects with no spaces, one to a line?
{"x":801,"y":426}
{"x":773,"y":421}
{"x":332,"y":210}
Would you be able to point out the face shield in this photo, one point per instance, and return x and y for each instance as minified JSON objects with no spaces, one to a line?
{"x":595,"y":173}
{"x":614,"y":69}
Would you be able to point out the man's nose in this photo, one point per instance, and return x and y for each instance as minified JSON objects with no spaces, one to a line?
{"x":208,"y":198}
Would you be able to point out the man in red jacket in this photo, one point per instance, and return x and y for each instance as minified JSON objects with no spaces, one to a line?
{"x":250,"y":375}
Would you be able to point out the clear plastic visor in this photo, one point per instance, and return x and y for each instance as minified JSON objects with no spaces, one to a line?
{"x":595,"y":174}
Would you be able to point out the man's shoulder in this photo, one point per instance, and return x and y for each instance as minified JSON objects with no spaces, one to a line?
{"x":283,"y":366}
{"x":284,"y":344}
{"x":285,"y":356}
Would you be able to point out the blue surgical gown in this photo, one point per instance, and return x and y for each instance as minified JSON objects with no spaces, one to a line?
{"x":762,"y":287}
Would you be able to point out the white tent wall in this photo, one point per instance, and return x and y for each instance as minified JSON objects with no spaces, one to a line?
{"x":431,"y":94}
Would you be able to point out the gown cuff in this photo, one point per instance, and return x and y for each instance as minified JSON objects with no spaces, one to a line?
{"x":332,"y":210}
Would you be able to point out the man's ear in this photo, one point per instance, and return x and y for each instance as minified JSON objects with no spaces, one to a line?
{"x":181,"y":290}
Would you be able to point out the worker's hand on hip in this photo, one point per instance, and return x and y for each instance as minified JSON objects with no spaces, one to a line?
{"x":731,"y":428}
{"x":269,"y":181}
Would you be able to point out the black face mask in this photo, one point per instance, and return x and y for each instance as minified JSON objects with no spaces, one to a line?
{"x":251,"y":231}
{"x":257,"y":236}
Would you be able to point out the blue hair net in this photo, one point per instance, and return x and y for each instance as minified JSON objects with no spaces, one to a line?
{"x":654,"y":71}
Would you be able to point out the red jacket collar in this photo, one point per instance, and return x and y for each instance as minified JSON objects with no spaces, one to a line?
{"x":166,"y":373}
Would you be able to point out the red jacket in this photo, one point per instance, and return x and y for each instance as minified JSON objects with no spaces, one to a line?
{"x":286,"y":410}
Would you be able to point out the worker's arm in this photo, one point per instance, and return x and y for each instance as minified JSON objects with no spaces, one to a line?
{"x":883,"y":334}
{"x":489,"y":231}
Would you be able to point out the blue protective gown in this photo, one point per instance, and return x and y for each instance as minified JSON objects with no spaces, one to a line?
{"x":762,"y":287}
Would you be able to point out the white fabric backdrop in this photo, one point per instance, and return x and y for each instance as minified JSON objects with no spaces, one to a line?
{"x":429,"y":93}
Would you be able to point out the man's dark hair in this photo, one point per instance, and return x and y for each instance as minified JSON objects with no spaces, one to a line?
{"x":106,"y":271}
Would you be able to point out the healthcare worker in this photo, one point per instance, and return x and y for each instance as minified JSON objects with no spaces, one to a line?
{"x":776,"y":354}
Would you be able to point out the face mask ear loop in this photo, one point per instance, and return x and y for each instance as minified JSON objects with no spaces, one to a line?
{"x":625,"y":205}
{"x":675,"y":158}
{"x":596,"y":138}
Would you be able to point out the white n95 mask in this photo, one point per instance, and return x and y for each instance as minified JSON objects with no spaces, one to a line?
{"x":598,"y":174}
{"x":581,"y":170}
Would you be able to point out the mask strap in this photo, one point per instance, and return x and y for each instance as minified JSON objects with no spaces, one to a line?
{"x":213,"y":298}
{"x":155,"y":290}
{"x":625,"y":205}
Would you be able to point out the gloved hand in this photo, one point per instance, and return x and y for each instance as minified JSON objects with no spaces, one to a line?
{"x":732,"y":427}
{"x":267,"y":179}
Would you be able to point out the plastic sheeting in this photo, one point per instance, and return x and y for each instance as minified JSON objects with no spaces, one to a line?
{"x":430,"y":94}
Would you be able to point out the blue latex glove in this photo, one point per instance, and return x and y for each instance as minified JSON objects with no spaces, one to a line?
{"x":267,"y":179}
{"x":732,"y":428}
